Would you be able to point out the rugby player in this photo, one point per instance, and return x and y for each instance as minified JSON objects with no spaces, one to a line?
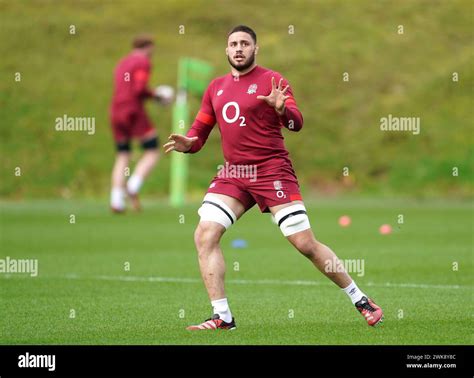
{"x":129,"y":121}
{"x":251,"y":105}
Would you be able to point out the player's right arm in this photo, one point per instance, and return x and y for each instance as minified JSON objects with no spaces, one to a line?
{"x":140,"y":78}
{"x":197,"y":135}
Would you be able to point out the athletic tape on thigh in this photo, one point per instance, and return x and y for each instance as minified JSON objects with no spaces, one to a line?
{"x":214,"y":209}
{"x":123,"y":146}
{"x":150,"y":144}
{"x":292,"y":219}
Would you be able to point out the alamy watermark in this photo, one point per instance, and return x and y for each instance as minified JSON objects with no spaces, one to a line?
{"x":28,"y":360}
{"x":350,"y":266}
{"x":66,"y":123}
{"x":237,"y":171}
{"x":9,"y":265}
{"x":391,"y":123}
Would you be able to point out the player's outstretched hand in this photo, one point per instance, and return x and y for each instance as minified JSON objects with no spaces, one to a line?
{"x":277,"y":97}
{"x":179,"y":143}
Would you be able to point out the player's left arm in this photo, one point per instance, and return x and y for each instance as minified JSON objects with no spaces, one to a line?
{"x":282,"y":100}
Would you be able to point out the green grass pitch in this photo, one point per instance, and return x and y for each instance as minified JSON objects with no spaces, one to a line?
{"x":276,"y":295}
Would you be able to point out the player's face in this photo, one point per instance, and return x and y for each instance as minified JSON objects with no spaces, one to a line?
{"x":241,"y":50}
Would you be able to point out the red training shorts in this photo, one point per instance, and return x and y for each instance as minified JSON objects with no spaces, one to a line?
{"x":128,"y":124}
{"x":275,"y":186}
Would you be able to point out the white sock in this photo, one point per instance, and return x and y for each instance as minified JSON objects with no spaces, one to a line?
{"x":117,"y":198}
{"x":221,"y":307}
{"x":354,"y":292}
{"x":134,"y":184}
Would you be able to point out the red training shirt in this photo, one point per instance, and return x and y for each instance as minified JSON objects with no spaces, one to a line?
{"x":250,"y":128}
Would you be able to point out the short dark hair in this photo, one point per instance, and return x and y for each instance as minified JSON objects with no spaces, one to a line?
{"x":142,"y":40}
{"x":245,"y":29}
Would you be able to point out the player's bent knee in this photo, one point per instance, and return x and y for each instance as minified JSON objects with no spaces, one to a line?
{"x":213,"y":209}
{"x":207,"y":236}
{"x":154,"y":155}
{"x":306,"y":247}
{"x":292,"y":219}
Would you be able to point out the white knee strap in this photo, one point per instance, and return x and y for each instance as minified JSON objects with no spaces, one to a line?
{"x":292,"y":219}
{"x":214,"y":209}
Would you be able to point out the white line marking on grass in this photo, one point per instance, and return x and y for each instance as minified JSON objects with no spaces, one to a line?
{"x":265,"y":282}
{"x":146,"y":279}
{"x":74,"y":276}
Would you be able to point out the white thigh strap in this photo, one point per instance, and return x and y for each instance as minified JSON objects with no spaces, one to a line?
{"x":213,"y":209}
{"x":292,"y":219}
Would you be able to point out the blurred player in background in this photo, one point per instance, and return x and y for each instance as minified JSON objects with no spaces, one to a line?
{"x":130,"y":121}
{"x":251,"y":105}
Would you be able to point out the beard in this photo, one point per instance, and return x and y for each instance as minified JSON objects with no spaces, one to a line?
{"x":243,"y":65}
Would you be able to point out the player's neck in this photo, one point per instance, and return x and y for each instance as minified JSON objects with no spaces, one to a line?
{"x":139,"y":52}
{"x":237,"y":73}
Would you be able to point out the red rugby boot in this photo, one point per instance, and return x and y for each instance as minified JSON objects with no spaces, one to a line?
{"x":372,"y":313}
{"x":213,"y":323}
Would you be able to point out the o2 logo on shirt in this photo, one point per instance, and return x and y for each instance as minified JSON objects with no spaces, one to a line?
{"x":236,"y":115}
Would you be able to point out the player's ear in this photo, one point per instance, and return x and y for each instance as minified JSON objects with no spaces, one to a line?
{"x":256,"y":49}
{"x":227,"y":51}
